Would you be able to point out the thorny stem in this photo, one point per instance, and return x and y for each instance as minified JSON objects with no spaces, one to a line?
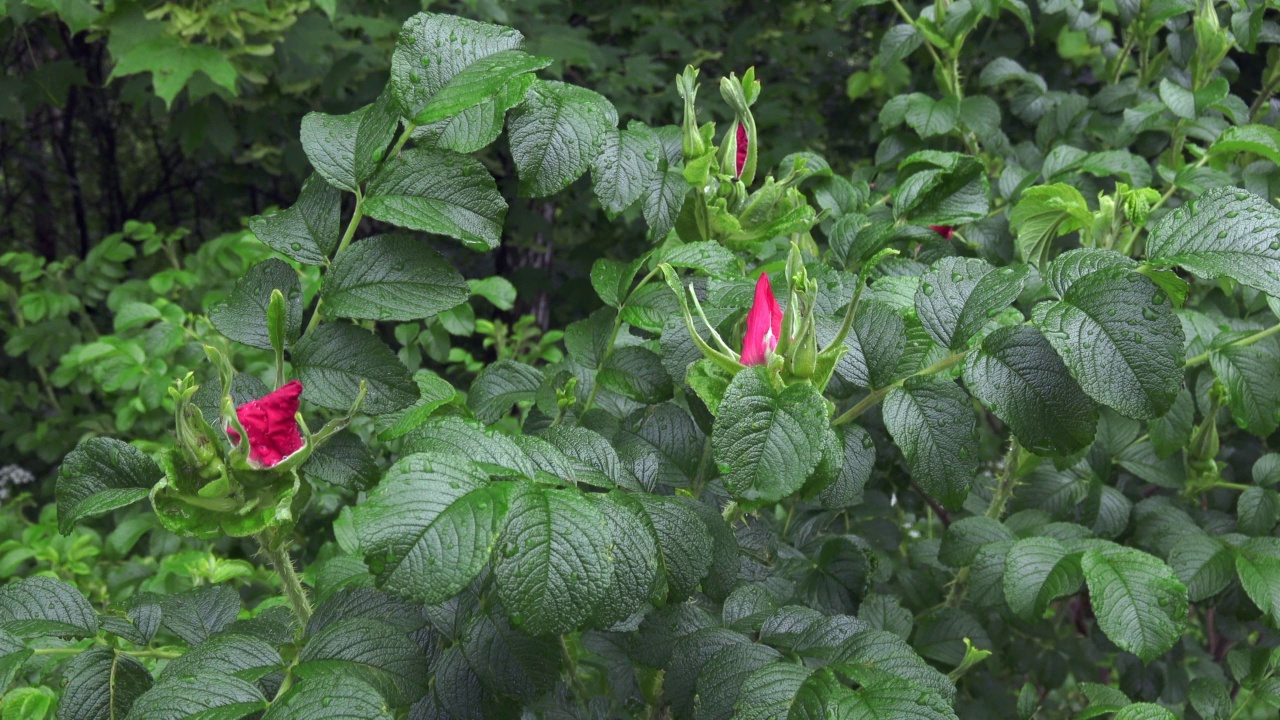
{"x":289,"y":580}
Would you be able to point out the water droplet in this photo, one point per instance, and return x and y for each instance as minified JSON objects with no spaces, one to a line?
{"x":378,"y":155}
{"x":927,"y":289}
{"x":1150,"y":313}
{"x":1233,"y":214}
{"x":1275,"y":245}
{"x":1111,"y":312}
{"x":324,"y":701}
{"x":867,"y":442}
{"x":415,"y":77}
{"x":956,"y":277}
{"x":1222,"y":235}
{"x":993,"y":312}
{"x":426,"y":61}
{"x":296,"y":246}
{"x":1159,"y":297}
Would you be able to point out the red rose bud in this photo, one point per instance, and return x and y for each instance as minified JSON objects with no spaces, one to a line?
{"x":764,"y":325}
{"x":743,"y":144}
{"x":270,"y":423}
{"x":946,"y":231}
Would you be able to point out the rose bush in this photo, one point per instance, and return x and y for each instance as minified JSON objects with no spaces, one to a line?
{"x":1001,"y":448}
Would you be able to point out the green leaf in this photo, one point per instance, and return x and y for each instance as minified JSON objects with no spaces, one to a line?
{"x":958,"y":296}
{"x":100,"y":475}
{"x":391,"y":277}
{"x":307,"y":231}
{"x":930,"y":117}
{"x":438,"y":191}
{"x":332,"y":698}
{"x":635,"y":555}
{"x":1172,"y":432}
{"x":476,"y":83}
{"x":199,"y":697}
{"x":334,"y":358}
{"x":197,"y":614}
{"x":344,"y":460}
{"x":625,"y":166}
{"x":1017,"y":375}
{"x":846,"y":487}
{"x":1260,"y":576}
{"x":455,"y":436}
{"x":244,"y":656}
{"x":346,"y":149}
{"x":512,"y":663}
{"x":42,"y":606}
{"x":965,"y":537}
{"x":1261,"y":140}
{"x":555,"y":566}
{"x":500,"y":386}
{"x":889,"y":653}
{"x":373,"y":651}
{"x":1226,"y":232}
{"x":434,"y":49}
{"x":721,"y":677}
{"x":101,"y":683}
{"x":937,"y":188}
{"x":1140,"y":604}
{"x":1210,"y":699}
{"x":1257,"y":511}
{"x":1249,"y":372}
{"x":612,"y":279}
{"x":476,"y":127}
{"x":934,"y":425}
{"x":556,"y":134}
{"x":430,"y":526}
{"x":684,"y":542}
{"x":496,"y":289}
{"x":1044,"y":213}
{"x":662,"y":202}
{"x":767,"y":441}
{"x":172,"y":62}
{"x":1204,"y":564}
{"x":1072,"y":265}
{"x":1145,"y":711}
{"x":243,"y":317}
{"x":1120,"y":339}
{"x":1178,"y":99}
{"x":433,"y":391}
{"x":1037,"y":571}
{"x":637,"y":373}
{"x":769,"y":691}
{"x":710,"y":257}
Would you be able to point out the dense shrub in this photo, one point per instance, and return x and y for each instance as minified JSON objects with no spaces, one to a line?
{"x":976,"y":426}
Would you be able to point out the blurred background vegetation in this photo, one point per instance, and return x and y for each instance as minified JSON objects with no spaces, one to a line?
{"x":137,"y":137}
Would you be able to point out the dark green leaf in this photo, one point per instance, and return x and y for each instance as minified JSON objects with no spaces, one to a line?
{"x":934,"y":425}
{"x":332,"y":359}
{"x":100,"y":475}
{"x":768,"y":441}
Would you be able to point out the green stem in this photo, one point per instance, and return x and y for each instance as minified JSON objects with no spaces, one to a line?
{"x":995,"y":509}
{"x":877,"y":395}
{"x":289,"y":580}
{"x":1242,"y":342}
{"x":158,"y":654}
{"x":356,"y":216}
